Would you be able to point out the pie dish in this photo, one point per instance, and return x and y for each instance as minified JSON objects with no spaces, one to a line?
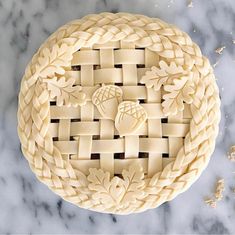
{"x":118,"y":113}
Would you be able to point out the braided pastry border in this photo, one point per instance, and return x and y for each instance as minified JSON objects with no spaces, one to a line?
{"x":137,"y":193}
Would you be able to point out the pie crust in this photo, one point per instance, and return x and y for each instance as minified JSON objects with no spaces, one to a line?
{"x":118,"y":113}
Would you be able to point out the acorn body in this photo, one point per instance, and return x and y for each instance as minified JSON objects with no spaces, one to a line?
{"x":130,"y":117}
{"x":107,"y":99}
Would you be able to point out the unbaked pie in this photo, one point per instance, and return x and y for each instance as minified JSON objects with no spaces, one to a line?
{"x":118,"y":113}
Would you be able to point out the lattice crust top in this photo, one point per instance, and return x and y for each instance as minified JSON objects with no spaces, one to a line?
{"x":118,"y":112}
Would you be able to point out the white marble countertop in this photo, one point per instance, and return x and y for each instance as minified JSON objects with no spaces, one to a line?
{"x":27,"y":206}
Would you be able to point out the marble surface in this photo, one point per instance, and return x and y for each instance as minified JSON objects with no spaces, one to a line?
{"x":27,"y":206}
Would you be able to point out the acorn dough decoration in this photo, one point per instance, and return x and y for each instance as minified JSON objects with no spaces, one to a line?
{"x":107,"y":99}
{"x":130,"y":117}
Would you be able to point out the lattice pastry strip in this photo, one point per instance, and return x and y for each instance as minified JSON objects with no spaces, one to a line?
{"x":107,"y":126}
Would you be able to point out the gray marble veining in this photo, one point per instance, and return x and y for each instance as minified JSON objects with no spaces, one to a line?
{"x":27,"y":206}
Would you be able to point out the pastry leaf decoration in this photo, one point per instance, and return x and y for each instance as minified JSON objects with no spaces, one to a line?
{"x":133,"y":183}
{"x":64,"y":91}
{"x":54,"y":60}
{"x":107,"y":191}
{"x":117,"y":192}
{"x":179,"y":92}
{"x":157,"y":77}
{"x":176,"y":81}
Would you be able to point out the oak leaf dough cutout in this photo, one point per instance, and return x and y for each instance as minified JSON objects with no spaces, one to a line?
{"x":176,"y":81}
{"x":64,"y":91}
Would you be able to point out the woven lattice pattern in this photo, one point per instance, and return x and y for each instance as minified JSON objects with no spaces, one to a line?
{"x":88,"y":140}
{"x":73,"y":145}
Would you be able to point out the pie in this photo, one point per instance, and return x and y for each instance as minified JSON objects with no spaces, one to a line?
{"x":118,"y":113}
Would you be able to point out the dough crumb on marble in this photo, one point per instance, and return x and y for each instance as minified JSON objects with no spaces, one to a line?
{"x":219,"y":189}
{"x":190,"y":3}
{"x":211,"y":202}
{"x":231,"y":155}
{"x":219,"y":50}
{"x":218,"y":194}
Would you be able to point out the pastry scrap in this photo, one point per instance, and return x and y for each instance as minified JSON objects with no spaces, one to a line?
{"x":211,"y":202}
{"x":219,"y":50}
{"x":218,"y":195}
{"x":231,"y":155}
{"x":190,"y":3}
{"x":219,"y":189}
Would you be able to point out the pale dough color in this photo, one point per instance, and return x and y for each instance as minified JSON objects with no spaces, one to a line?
{"x":118,"y":113}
